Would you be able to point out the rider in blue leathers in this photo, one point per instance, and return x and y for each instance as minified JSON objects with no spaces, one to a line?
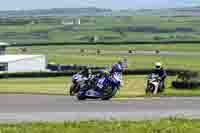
{"x":116,"y":73}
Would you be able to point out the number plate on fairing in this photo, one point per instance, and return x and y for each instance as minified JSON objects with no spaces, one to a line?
{"x":100,"y":83}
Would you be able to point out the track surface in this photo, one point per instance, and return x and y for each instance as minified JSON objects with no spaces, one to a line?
{"x":18,"y":108}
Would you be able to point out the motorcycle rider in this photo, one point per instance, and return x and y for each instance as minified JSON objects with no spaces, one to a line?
{"x":161,"y":72}
{"x":116,"y":72}
{"x":86,"y":73}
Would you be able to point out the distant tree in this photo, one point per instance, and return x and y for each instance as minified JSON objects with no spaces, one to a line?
{"x":157,"y":38}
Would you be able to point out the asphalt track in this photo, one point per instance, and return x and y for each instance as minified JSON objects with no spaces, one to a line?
{"x":31,"y":108}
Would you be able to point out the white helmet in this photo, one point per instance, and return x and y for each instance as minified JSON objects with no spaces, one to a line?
{"x":158,"y":65}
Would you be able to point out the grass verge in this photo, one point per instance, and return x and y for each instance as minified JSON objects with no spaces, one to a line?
{"x":134,"y":86}
{"x":171,"y":125}
{"x":72,"y":55}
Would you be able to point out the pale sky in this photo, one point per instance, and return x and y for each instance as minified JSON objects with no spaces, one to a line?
{"x":113,"y":4}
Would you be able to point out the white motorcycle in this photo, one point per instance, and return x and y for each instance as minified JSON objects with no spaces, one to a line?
{"x":153,"y":84}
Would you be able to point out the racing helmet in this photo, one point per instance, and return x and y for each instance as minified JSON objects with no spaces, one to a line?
{"x":158,"y":65}
{"x":116,"y":68}
{"x":104,"y":73}
{"x":120,"y":62}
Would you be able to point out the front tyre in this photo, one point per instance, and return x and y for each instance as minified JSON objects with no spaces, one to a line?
{"x":81,"y":96}
{"x":71,"y":90}
{"x":147,"y":90}
{"x":150,"y":89}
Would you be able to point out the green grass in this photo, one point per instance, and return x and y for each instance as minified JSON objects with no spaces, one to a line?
{"x":103,"y":27}
{"x":123,"y":47}
{"x":25,"y":28}
{"x":37,"y":85}
{"x":157,"y":126}
{"x":134,"y":86}
{"x":72,"y":55}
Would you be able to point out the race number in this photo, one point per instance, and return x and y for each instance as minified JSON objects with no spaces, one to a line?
{"x":100,"y":83}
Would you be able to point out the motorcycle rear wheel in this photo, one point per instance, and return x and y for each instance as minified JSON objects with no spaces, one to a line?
{"x":110,"y":94}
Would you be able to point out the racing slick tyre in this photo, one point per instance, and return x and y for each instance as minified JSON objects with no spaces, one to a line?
{"x":81,"y":96}
{"x":150,"y":89}
{"x":71,"y":90}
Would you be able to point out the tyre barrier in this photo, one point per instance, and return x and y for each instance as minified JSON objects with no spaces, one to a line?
{"x":170,"y":72}
{"x":37,"y":74}
{"x":103,"y":43}
{"x":186,"y":85}
{"x":58,"y":67}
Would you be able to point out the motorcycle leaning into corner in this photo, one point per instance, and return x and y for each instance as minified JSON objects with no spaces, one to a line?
{"x":99,"y":87}
{"x":153,"y":84}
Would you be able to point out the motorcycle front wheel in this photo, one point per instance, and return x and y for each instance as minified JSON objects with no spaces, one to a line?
{"x":71,"y":90}
{"x":81,"y":97}
{"x":150,"y":89}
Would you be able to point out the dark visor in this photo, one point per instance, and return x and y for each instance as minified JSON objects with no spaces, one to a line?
{"x":157,"y":66}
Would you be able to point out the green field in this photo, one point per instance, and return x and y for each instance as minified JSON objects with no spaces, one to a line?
{"x":157,"y":126}
{"x":72,"y":55}
{"x":133,"y":86}
{"x":106,"y":28}
{"x":114,"y":29}
{"x":124,"y":47}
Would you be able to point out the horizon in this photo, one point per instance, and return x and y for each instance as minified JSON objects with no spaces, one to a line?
{"x":103,"y":4}
{"x":98,"y":8}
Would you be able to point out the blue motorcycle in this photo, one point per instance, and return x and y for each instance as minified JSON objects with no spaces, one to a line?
{"x":104,"y":89}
